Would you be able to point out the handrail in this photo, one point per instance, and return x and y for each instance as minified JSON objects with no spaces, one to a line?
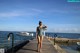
{"x":55,"y":35}
{"x":12,"y":41}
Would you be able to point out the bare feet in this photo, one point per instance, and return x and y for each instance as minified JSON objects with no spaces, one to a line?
{"x":40,"y":50}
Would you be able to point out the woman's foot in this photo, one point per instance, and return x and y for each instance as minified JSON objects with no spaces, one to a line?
{"x":40,"y":50}
{"x":37,"y":50}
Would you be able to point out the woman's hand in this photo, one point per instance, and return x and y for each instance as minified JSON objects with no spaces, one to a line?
{"x":45,"y":26}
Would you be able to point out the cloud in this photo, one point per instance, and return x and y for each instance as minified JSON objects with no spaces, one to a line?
{"x":21,"y":12}
{"x":37,"y":10}
{"x":66,"y":30}
{"x":59,"y":11}
{"x":11,"y":14}
{"x":65,"y":11}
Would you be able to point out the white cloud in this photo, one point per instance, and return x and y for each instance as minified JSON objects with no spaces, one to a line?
{"x":37,"y":10}
{"x":65,"y":30}
{"x":9,"y":14}
{"x":66,"y":11}
{"x":13,"y":13}
{"x":59,"y":11}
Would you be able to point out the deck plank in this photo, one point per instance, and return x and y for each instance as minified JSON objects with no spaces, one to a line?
{"x":31,"y":47}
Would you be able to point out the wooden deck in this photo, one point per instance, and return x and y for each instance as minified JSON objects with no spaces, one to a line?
{"x":31,"y":47}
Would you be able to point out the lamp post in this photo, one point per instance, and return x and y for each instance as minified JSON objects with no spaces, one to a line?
{"x":12,"y":40}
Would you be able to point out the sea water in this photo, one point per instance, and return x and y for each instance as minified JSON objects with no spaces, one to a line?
{"x":64,"y":35}
{"x":4,"y":43}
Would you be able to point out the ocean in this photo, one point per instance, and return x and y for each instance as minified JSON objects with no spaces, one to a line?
{"x":64,"y":35}
{"x":4,"y":43}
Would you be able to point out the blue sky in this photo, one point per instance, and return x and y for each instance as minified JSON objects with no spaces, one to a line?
{"x":24,"y":15}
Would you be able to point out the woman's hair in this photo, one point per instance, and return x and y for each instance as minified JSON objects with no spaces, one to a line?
{"x":40,"y":22}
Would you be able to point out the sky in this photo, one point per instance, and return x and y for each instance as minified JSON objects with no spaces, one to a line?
{"x":24,"y":15}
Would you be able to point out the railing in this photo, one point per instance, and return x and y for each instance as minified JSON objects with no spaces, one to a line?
{"x":12,"y":40}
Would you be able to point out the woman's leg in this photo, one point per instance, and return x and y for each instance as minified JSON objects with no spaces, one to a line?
{"x":41,"y":39}
{"x":38,"y":45}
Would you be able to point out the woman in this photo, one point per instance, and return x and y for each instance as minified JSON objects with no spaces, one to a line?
{"x":39,"y":35}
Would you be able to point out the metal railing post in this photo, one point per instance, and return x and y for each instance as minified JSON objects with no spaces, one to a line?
{"x":12,"y":41}
{"x":55,"y":35}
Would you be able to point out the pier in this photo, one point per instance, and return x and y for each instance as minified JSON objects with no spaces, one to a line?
{"x":31,"y":47}
{"x":65,"y":39}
